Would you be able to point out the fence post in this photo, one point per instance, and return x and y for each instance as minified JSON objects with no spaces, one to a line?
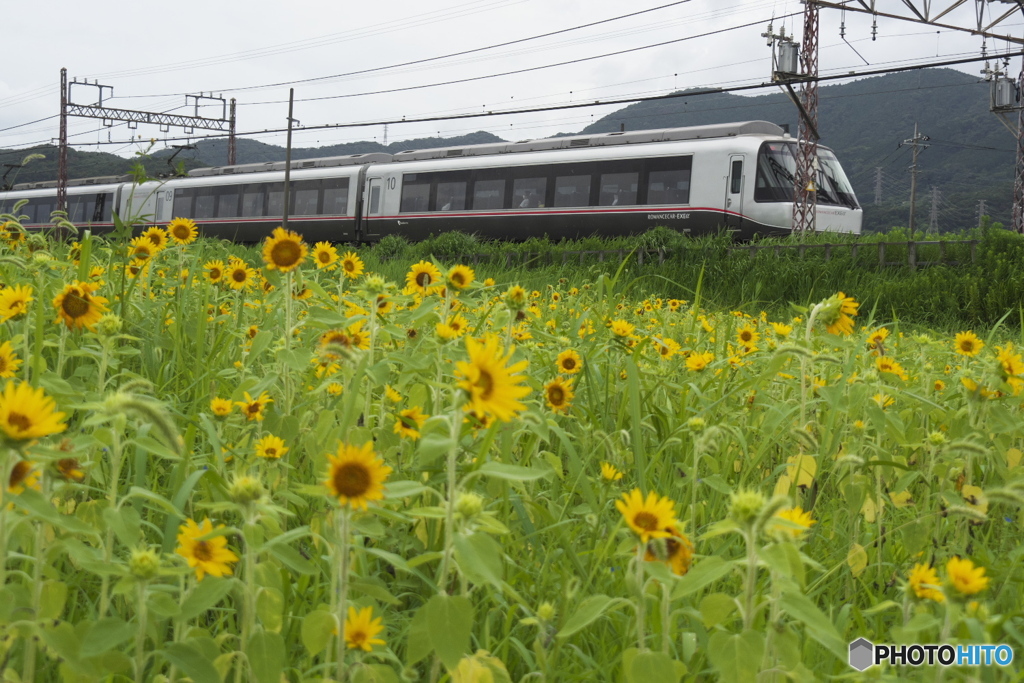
{"x":661,"y":256}
{"x":881,"y":254}
{"x":942,"y":251}
{"x":912,"y":255}
{"x":640,"y":256}
{"x":974,"y":250}
{"x":828,"y":252}
{"x":853,"y":252}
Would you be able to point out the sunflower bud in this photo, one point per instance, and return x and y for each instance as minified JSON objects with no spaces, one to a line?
{"x":144,"y":563}
{"x":109,"y":325}
{"x":546,"y":611}
{"x":469,"y":505}
{"x":745,"y":506}
{"x":695,"y":424}
{"x":937,"y":439}
{"x":245,"y":490}
{"x":375,"y":284}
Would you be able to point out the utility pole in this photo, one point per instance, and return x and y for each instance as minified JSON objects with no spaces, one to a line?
{"x":805,"y":197}
{"x":878,"y":185}
{"x":1018,"y":177}
{"x":917,"y":142}
{"x":385,"y":135}
{"x":933,"y":215}
{"x":288,"y":158}
{"x":62,"y":145}
{"x":981,"y":212}
{"x":231,"y":134}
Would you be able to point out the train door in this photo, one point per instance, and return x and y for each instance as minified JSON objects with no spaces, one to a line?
{"x":374,"y":207}
{"x":734,"y":192}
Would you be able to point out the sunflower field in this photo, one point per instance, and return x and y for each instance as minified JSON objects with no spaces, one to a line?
{"x":225,"y":463}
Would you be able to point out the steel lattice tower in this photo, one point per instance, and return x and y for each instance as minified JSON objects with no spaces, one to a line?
{"x":805,"y":197}
{"x":1018,"y":178}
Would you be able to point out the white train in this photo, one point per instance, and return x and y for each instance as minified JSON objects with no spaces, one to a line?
{"x":736,"y":176}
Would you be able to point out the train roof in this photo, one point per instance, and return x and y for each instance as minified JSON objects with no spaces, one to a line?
{"x":78,"y":182}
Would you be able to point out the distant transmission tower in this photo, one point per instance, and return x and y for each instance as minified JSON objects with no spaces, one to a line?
{"x":878,"y":185}
{"x":933,"y":215}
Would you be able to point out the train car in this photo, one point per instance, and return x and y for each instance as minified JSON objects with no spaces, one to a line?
{"x":737,"y":176}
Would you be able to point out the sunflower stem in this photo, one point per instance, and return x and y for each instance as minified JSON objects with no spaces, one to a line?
{"x":749,"y":536}
{"x":641,"y":615}
{"x":37,"y":593}
{"x":8,"y":464}
{"x":115,"y":475}
{"x":666,"y":618}
{"x":344,"y":518}
{"x":140,"y":633}
{"x":449,"y":520}
{"x":285,"y":368}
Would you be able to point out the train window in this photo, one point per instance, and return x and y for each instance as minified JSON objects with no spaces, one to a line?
{"x":183,"y":202}
{"x":205,"y":197}
{"x":618,"y":189}
{"x":528,"y":193}
{"x":104,"y":208}
{"x":275,"y":199}
{"x":375,"y":198}
{"x":227,"y":201}
{"x":80,"y":208}
{"x":29,"y":211}
{"x":335,"y":197}
{"x":451,"y":196}
{"x":305,"y":198}
{"x":253,"y":198}
{"x":43,"y":208}
{"x":572,"y":190}
{"x":415,"y":194}
{"x":737,"y":176}
{"x":489,"y":194}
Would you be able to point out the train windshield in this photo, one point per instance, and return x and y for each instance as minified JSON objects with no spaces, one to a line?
{"x":776,"y":171}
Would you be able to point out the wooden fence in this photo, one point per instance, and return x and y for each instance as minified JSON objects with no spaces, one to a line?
{"x":878,"y":252}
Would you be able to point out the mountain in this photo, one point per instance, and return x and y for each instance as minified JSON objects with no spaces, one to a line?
{"x":969,"y":156}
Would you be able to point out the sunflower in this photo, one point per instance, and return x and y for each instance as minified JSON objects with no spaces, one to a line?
{"x":361,"y":629}
{"x":392,"y":394}
{"x":384,"y":304}
{"x":221,"y":407}
{"x":968,"y":344}
{"x":210,"y":556}
{"x":445,"y":332}
{"x":239,"y":275}
{"x":70,"y":469}
{"x":782,"y":329}
{"x":423,"y":278}
{"x":698,"y":361}
{"x":650,"y":518}
{"x":214,"y":271}
{"x":24,"y":475}
{"x":351,"y":265}
{"x":515,"y":297}
{"x":609,"y":473}
{"x":964,"y":577}
{"x":460,"y":277}
{"x":284,"y":250}
{"x":569,"y":362}
{"x":1010,"y":364}
{"x":797,"y":518}
{"x":558,"y":394}
{"x":253,"y":408}
{"x":837,"y":313}
{"x":141,"y":249}
{"x":28,"y":413}
{"x":676,"y":551}
{"x":77,"y":307}
{"x":271,"y":446}
{"x":409,"y":422}
{"x":14,"y":302}
{"x":491,"y":385}
{"x":325,"y":256}
{"x":876,"y":340}
{"x":622,"y":329}
{"x":666,"y":348}
{"x":887,"y":364}
{"x":459,"y":325}
{"x":356,"y":475}
{"x":9,"y":361}
{"x":747,"y":335}
{"x":182,"y":230}
{"x":157,"y":236}
{"x":923,"y":580}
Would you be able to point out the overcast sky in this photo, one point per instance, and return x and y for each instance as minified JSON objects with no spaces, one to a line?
{"x":153,"y":55}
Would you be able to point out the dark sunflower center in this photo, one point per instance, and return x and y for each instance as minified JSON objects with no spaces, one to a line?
{"x":21,"y":469}
{"x":238,"y":275}
{"x":3,"y":364}
{"x":458,"y":279}
{"x":556,"y":396}
{"x":202,"y":551}
{"x":285,"y":253}
{"x":324,"y":257}
{"x":215,"y":273}
{"x":253,"y":408}
{"x":423,"y":279}
{"x":568,"y":363}
{"x":646,"y":521}
{"x":356,"y":637}
{"x":349,"y":266}
{"x":746,"y":335}
{"x":486,"y":383}
{"x":351,"y":480}
{"x":74,"y":305}
{"x":271,"y":452}
{"x":181,"y":232}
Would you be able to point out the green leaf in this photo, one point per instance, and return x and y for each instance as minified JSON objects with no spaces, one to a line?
{"x":433,"y":446}
{"x":374,"y":673}
{"x":737,"y":657}
{"x":292,"y":559}
{"x":403,"y":489}
{"x":480,"y":558}
{"x":163,"y":605}
{"x":419,"y":643}
{"x":265,"y":652}
{"x":155,"y":447}
{"x":651,"y":667}
{"x":52,"y":599}
{"x":62,"y":639}
{"x":126,"y":523}
{"x":318,"y":630}
{"x":500,"y":470}
{"x":589,"y":611}
{"x":702,"y":574}
{"x":269,"y":608}
{"x":190,"y":659}
{"x":716,"y":608}
{"x":104,"y":635}
{"x":207,"y":593}
{"x":819,"y":627}
{"x":36,"y":504}
{"x":450,"y":619}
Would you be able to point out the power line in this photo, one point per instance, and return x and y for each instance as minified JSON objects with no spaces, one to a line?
{"x":596,"y":103}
